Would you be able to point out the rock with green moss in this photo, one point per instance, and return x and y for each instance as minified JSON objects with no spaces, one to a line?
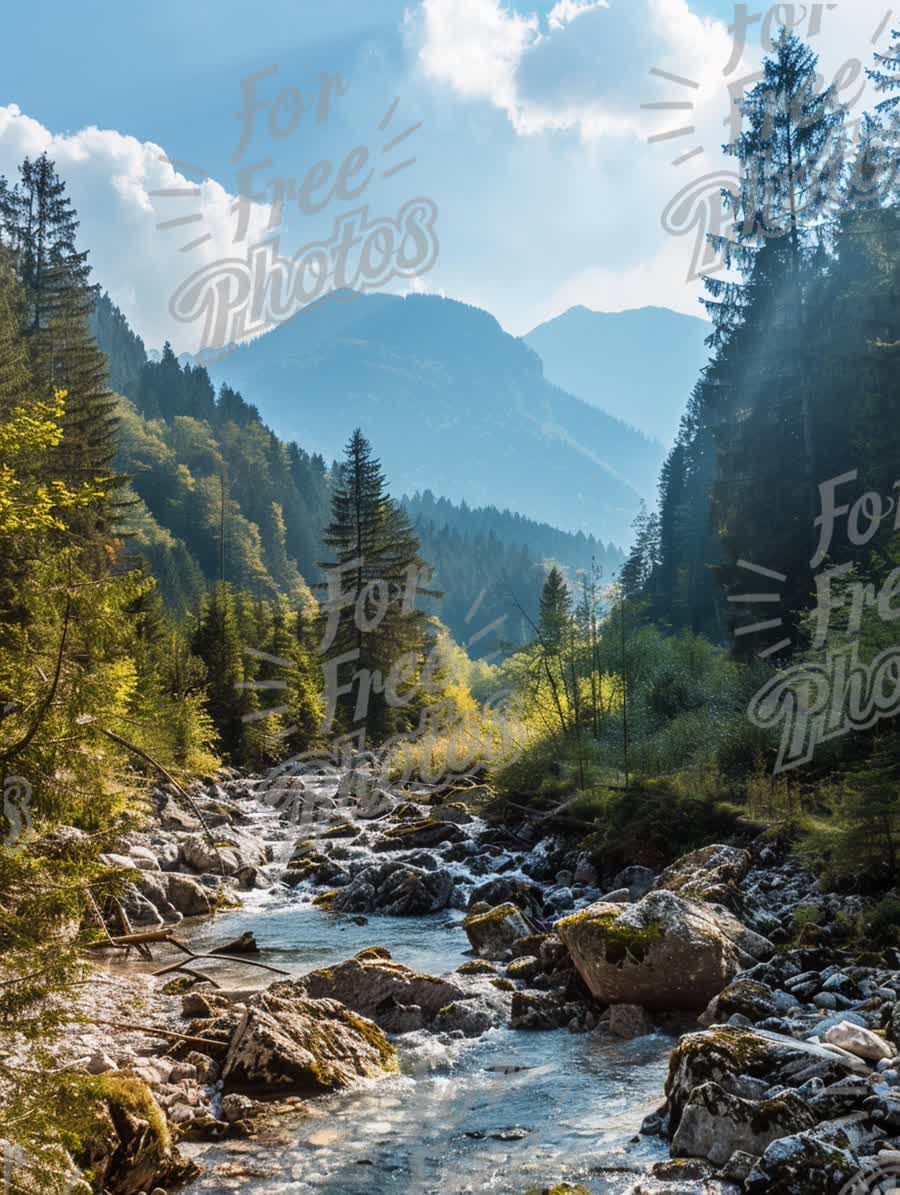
{"x":342,"y":830}
{"x":415,"y":835}
{"x":727,"y":1055}
{"x":118,"y":1135}
{"x":542,"y":1011}
{"x":400,"y":999}
{"x":524,"y":968}
{"x":477,"y":966}
{"x":712,"y":873}
{"x":715,"y":1123}
{"x":815,"y":1162}
{"x":662,"y":953}
{"x":750,"y":999}
{"x":283,"y":1043}
{"x":493,"y":933}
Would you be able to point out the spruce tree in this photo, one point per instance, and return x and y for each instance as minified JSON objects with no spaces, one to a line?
{"x":554,"y":611}
{"x":377,"y":570}
{"x":39,"y":227}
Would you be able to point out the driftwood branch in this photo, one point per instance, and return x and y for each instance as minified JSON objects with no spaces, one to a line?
{"x":154,"y":1031}
{"x":125,"y":941}
{"x":180,"y":966}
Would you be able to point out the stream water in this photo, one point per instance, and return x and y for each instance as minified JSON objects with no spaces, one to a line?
{"x":459,"y":1117}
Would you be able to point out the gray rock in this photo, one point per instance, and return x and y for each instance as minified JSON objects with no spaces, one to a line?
{"x":663,"y":952}
{"x":493,"y":933}
{"x":283,"y":1043}
{"x":808,"y":1163}
{"x":397,"y":890}
{"x":638,"y":881}
{"x":629,"y":1021}
{"x":715,"y":1123}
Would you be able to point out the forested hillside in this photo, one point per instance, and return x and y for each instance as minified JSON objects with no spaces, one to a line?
{"x":219,"y":496}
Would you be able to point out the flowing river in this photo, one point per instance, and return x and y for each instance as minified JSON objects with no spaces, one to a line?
{"x":501,"y":1113}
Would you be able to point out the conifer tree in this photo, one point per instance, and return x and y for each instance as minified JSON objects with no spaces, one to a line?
{"x":39,"y":227}
{"x":377,"y":570}
{"x":217,"y":641}
{"x":554,"y":611}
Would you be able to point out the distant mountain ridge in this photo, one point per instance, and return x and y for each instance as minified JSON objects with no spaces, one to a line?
{"x":451,"y":403}
{"x":638,"y":365}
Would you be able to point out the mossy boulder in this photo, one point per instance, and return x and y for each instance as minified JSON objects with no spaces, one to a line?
{"x":493,"y":933}
{"x":747,"y":997}
{"x":400,"y":999}
{"x":117,"y":1134}
{"x":663,"y":952}
{"x":477,"y":966}
{"x":283,"y":1044}
{"x":414,"y":835}
{"x":815,"y":1162}
{"x":712,"y":874}
{"x":715,"y":1123}
{"x":397,"y":890}
{"x":727,"y":1054}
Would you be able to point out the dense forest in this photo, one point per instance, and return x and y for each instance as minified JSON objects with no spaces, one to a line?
{"x":182,"y":590}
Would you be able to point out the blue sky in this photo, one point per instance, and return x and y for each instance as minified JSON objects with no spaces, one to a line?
{"x":533,"y":144}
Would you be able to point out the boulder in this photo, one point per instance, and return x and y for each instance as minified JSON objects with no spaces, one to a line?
{"x":123,"y":1139}
{"x":505,"y":890}
{"x":185,"y":894}
{"x":630,"y":1020}
{"x":715,"y":1123}
{"x":859,"y":1041}
{"x":414,"y":835}
{"x":663,"y":952}
{"x":233,"y":851}
{"x":711,"y":874}
{"x":638,"y":880}
{"x":395,"y":889}
{"x":747,"y":997}
{"x":541,"y":1010}
{"x":493,"y":933}
{"x":283,"y":1043}
{"x":808,"y":1163}
{"x":375,"y":804}
{"x":373,"y":984}
{"x":728,"y":1055}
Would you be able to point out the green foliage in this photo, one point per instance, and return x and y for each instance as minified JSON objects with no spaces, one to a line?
{"x":883,"y":923}
{"x":654,"y":822}
{"x":371,"y":624}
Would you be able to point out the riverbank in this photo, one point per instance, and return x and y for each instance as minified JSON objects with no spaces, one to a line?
{"x":509,"y":1019}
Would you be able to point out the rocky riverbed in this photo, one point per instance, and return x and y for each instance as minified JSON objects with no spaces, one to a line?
{"x":505,"y":1013}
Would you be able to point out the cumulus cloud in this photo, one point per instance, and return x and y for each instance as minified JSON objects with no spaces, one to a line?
{"x":582,"y":66}
{"x":118,"y":186}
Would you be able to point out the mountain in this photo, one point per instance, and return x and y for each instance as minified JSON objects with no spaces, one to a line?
{"x":637,"y":365}
{"x":451,"y":403}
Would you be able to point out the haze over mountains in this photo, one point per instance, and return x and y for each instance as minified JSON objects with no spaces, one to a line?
{"x":639,"y":365}
{"x":451,"y":403}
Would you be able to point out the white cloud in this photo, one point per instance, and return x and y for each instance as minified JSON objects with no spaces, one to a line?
{"x":583,"y":67}
{"x":565,"y":11}
{"x":111,"y":179}
{"x":475,"y":46}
